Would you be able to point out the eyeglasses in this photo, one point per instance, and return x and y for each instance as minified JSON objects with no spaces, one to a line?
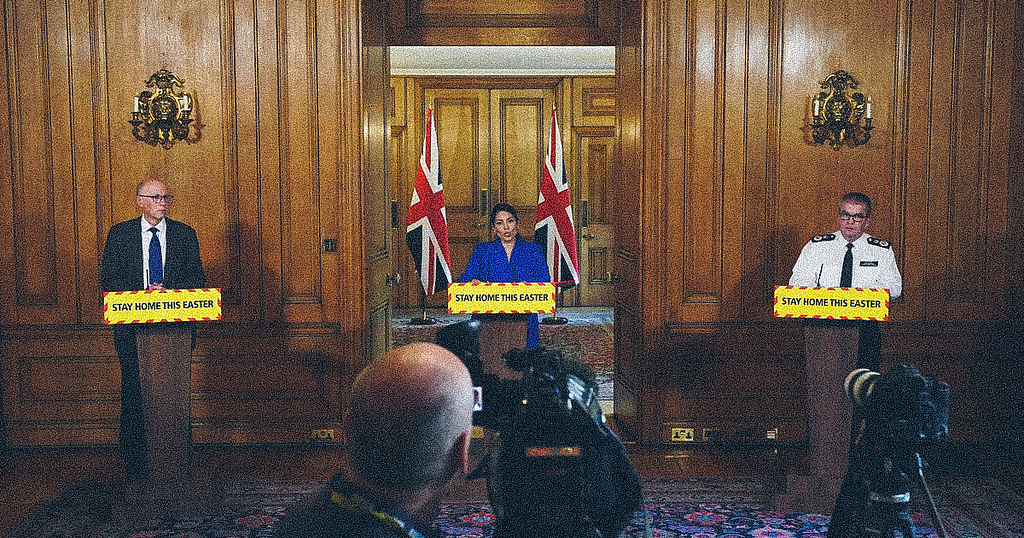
{"x":166,"y":198}
{"x":852,"y":218}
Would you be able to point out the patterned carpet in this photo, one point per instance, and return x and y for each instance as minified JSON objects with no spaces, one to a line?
{"x":587,"y":337}
{"x":698,"y":508}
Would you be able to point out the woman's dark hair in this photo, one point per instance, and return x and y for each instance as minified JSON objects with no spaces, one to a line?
{"x":499,"y":207}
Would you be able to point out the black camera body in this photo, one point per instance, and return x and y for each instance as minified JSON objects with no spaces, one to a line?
{"x":901,"y":413}
{"x":901,"y":408}
{"x":558,"y":470}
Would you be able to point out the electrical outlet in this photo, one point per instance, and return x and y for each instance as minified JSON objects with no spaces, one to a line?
{"x":712,"y":434}
{"x":323,"y":435}
{"x":682,"y":435}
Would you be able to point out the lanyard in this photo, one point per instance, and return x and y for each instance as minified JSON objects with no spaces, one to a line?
{"x":358,"y":505}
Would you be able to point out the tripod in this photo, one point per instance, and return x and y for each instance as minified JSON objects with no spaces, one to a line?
{"x":874,"y":500}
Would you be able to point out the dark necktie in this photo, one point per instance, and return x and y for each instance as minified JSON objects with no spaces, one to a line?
{"x":846,"y":278}
{"x":156,"y":263}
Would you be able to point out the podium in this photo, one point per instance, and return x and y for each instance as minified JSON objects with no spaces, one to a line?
{"x":831,"y":351}
{"x":831,"y":339}
{"x":172,"y":487}
{"x":502,"y":308}
{"x":498,"y":334}
{"x":165,"y":368}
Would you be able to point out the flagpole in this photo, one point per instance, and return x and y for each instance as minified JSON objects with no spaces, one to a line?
{"x":427,"y":230}
{"x":555,"y":320}
{"x":425,"y":320}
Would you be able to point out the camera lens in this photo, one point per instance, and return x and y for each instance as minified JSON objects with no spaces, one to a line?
{"x":859,"y":385}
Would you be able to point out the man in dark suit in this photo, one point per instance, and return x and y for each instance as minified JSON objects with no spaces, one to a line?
{"x":149,"y":252}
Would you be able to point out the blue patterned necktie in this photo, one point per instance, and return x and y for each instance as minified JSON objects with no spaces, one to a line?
{"x":156,"y":263}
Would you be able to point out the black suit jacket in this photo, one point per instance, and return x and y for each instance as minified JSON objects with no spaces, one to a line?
{"x":122,"y":258}
{"x":122,"y":269}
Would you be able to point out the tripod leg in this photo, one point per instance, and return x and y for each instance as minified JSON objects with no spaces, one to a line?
{"x":933,"y":511}
{"x":849,"y":509}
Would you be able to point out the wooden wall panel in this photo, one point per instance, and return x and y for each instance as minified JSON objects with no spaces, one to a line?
{"x":631,"y":326}
{"x":401,"y":165}
{"x":42,"y":172}
{"x":737,"y":189}
{"x":374,"y":187}
{"x":59,"y":388}
{"x":519,"y":124}
{"x":302,"y":199}
{"x":494,"y":22}
{"x":273,"y":169}
{"x":593,"y":152}
{"x":591,"y":162}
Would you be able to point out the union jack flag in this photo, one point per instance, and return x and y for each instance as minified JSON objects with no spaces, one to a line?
{"x":555,"y":231}
{"x":427,"y":231}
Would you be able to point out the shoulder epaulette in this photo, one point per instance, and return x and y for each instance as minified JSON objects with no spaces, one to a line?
{"x":823,"y":237}
{"x":879,"y":242}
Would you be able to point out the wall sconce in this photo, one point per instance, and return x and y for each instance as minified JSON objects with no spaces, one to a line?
{"x":162,"y":117}
{"x":837,"y":114}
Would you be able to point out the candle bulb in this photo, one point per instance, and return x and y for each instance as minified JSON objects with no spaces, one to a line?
{"x":867,"y":109}
{"x":136,"y":103}
{"x":817,"y":107}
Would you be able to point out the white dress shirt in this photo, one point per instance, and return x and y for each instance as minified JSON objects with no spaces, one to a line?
{"x":874,"y":265}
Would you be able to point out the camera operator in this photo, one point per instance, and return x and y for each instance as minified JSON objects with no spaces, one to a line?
{"x":557,"y":469}
{"x":407,"y":435}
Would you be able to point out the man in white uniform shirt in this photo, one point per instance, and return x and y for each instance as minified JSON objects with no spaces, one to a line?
{"x":851,"y":258}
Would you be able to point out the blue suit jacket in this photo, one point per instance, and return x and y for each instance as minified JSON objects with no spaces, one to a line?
{"x":527,"y":264}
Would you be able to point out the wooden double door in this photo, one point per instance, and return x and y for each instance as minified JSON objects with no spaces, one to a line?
{"x":492,"y":141}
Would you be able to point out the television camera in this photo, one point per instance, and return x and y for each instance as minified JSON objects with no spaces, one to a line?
{"x":557,"y":469}
{"x":897,"y":415}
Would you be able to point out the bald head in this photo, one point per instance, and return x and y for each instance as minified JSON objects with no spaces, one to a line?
{"x":407,"y":411}
{"x":146,"y":184}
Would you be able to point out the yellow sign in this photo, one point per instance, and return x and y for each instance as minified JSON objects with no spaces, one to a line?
{"x":501,"y":298}
{"x":156,"y":306}
{"x":831,"y":303}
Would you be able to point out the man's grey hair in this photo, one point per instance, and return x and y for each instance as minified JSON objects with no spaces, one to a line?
{"x":857,"y":198}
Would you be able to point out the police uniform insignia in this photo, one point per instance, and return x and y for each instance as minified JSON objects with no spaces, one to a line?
{"x":879,"y":242}
{"x":823,"y":237}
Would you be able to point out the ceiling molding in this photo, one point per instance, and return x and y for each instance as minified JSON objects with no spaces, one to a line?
{"x":502,"y":61}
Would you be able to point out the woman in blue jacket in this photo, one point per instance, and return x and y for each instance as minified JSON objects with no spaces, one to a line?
{"x":509,"y":258}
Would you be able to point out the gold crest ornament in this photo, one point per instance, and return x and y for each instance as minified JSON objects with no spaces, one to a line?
{"x":163,"y":117}
{"x":838,"y":116}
